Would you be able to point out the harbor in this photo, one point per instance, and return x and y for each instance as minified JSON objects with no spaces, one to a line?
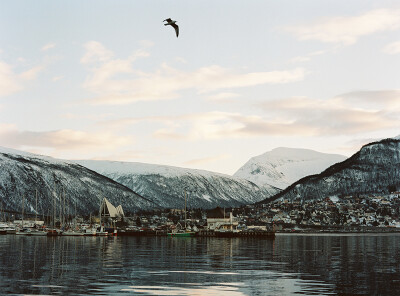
{"x":111,"y":221}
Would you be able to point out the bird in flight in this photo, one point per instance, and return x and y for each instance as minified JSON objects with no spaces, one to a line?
{"x":173,"y":24}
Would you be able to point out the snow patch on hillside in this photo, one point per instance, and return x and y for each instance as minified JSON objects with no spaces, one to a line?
{"x":282,"y":167}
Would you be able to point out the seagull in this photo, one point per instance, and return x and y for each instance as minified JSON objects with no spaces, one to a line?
{"x":173,"y":24}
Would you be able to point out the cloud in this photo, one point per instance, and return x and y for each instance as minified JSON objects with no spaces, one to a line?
{"x":335,"y":116}
{"x":57,"y":78}
{"x":95,"y":52}
{"x":204,"y":160}
{"x":300,"y":59}
{"x":306,"y":58}
{"x":119,"y":83}
{"x":48,"y":46}
{"x":346,"y":30}
{"x":11,"y":82}
{"x":32,"y":73}
{"x":375,"y":99}
{"x":223,"y":97}
{"x":60,"y":140}
{"x":351,"y":113}
{"x":146,"y":43}
{"x":127,"y":155}
{"x":392,"y":48}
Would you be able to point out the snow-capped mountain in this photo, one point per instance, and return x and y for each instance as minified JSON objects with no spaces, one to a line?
{"x":166,"y":185}
{"x":283,"y":166}
{"x":373,"y":169}
{"x":23,"y":174}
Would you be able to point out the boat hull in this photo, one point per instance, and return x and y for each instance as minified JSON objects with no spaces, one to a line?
{"x":39,"y":233}
{"x":182,"y":234}
{"x":266,"y":234}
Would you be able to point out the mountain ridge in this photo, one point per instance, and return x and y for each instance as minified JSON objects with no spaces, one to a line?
{"x":167,"y":184}
{"x":22,"y":174}
{"x":373,"y":169}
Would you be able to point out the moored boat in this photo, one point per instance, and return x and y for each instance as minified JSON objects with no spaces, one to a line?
{"x":38,"y":233}
{"x":182,"y":234}
{"x":245,"y":233}
{"x":24,"y":231}
{"x":72,"y":233}
{"x":53,"y":232}
{"x":11,"y":230}
{"x":89,"y":232}
{"x":3,"y":228}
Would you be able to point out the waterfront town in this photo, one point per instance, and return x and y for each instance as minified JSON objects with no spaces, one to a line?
{"x":348,"y":213}
{"x":361,"y":213}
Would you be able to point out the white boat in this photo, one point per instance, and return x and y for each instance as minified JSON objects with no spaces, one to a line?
{"x":90,"y":232}
{"x":11,"y":230}
{"x":3,"y":228}
{"x":72,"y":233}
{"x":24,"y":231}
{"x":101,"y":232}
{"x":38,"y":233}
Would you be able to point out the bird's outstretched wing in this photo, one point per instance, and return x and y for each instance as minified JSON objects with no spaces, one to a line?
{"x":176,"y":29}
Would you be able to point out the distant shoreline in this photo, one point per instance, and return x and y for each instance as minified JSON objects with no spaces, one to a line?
{"x":338,"y":233}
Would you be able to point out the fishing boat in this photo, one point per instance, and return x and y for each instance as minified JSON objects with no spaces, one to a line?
{"x":89,"y":232}
{"x":22,"y":230}
{"x":102,"y":231}
{"x":38,"y":233}
{"x":185,"y":232}
{"x":53,"y":232}
{"x":182,"y":234}
{"x":10,"y":229}
{"x":72,"y":233}
{"x":3,"y":228}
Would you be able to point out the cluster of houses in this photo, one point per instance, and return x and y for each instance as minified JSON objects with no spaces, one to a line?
{"x":348,"y":211}
{"x":217,"y":219}
{"x":345,"y":212}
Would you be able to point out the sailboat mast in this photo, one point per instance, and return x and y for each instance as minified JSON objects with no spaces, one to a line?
{"x":75,"y":215}
{"x":60,"y":217}
{"x":185,"y":209}
{"x":23,"y":204}
{"x":36,"y":208}
{"x":2,"y":212}
{"x":54,"y":206}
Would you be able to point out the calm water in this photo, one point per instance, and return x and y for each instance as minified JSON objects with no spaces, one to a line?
{"x":290,"y":264}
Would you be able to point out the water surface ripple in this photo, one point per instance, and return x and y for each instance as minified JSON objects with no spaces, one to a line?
{"x":287,"y":265}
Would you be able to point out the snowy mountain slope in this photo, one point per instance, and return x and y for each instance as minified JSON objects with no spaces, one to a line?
{"x":166,"y":185}
{"x":284,"y":166}
{"x":21,"y":174}
{"x":373,"y":169}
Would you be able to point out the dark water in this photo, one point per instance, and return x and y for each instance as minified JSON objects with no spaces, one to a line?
{"x":307,"y":265}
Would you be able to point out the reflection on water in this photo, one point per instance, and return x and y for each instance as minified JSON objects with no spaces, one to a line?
{"x":290,"y":264}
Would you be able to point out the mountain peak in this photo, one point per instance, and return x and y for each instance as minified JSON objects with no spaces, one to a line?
{"x":283,"y":166}
{"x":375,"y":168}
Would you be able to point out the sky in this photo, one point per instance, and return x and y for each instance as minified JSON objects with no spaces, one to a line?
{"x":107,"y":80}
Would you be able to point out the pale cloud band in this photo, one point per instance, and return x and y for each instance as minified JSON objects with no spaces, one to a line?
{"x":200,"y":161}
{"x":61,"y":140}
{"x":48,"y":46}
{"x":340,"y":115}
{"x":166,"y":82}
{"x":11,"y":82}
{"x":346,"y":30}
{"x":297,"y":116}
{"x":392,"y":48}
